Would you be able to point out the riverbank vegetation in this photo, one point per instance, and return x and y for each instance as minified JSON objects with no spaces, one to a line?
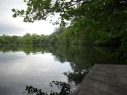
{"x":98,"y":22}
{"x":91,"y":22}
{"x":65,"y":35}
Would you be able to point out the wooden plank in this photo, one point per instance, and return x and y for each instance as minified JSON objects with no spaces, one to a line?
{"x":104,"y":80}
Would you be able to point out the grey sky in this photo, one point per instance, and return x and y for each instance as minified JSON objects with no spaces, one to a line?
{"x":16,"y":26}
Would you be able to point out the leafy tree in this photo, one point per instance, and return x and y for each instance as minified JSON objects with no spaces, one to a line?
{"x":101,"y":21}
{"x":35,"y":38}
{"x":82,"y":10}
{"x":27,"y":38}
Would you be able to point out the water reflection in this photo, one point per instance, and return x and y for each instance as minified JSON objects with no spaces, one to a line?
{"x":88,"y":55}
{"x":40,"y":65}
{"x":65,"y":89}
{"x":77,"y":75}
{"x":20,"y":70}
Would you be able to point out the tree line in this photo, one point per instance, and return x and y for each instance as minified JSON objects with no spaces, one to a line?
{"x":98,"y":22}
{"x":25,"y":39}
{"x":66,"y":35}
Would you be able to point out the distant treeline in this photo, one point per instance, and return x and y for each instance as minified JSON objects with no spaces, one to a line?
{"x":32,"y":38}
{"x":25,"y":39}
{"x":64,"y":35}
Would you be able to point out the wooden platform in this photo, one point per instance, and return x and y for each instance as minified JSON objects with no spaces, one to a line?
{"x":104,"y":80}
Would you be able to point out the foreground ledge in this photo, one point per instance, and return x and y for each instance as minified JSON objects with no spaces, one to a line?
{"x":104,"y":80}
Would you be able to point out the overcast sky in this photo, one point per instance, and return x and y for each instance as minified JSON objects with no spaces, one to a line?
{"x":16,"y":26}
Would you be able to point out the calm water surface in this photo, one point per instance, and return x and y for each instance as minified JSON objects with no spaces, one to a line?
{"x":18,"y":70}
{"x":38,"y":66}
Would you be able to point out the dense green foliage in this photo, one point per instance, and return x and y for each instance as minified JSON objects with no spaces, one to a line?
{"x":25,"y":39}
{"x":62,"y":35}
{"x":100,"y":22}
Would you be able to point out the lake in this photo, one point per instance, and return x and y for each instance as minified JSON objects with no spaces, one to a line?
{"x":48,"y":67}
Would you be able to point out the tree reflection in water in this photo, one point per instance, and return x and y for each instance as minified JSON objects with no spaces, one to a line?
{"x":81,"y":59}
{"x":74,"y":78}
{"x":65,"y":89}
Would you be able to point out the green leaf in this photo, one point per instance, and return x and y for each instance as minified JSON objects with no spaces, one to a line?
{"x":13,"y":10}
{"x":22,"y":12}
{"x":28,"y":4}
{"x":14,"y":16}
